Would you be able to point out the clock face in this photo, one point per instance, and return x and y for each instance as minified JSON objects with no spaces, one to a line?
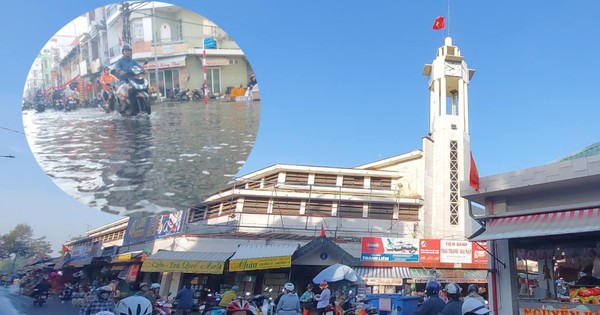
{"x":453,"y":69}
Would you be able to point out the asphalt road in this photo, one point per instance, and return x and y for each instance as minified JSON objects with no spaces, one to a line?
{"x":21,"y":304}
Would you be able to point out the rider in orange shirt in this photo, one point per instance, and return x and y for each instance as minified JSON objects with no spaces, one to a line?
{"x":105,"y":79}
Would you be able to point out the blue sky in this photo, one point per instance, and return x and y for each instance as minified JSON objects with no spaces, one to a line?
{"x":342,"y":85}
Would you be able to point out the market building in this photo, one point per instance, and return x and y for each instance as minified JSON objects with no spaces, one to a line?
{"x":542,"y":226}
{"x":398,"y":221}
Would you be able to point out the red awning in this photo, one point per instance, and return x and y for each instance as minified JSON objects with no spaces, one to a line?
{"x":555,"y":223}
{"x":68,"y":82}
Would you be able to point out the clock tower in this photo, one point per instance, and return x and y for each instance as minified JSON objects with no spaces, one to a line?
{"x":447,"y":146}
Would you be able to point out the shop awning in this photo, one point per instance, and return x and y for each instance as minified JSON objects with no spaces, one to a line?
{"x":129,"y":257}
{"x":383,"y":275}
{"x":186,"y":262}
{"x":258,"y":257}
{"x":420,"y":275}
{"x":556,"y":223}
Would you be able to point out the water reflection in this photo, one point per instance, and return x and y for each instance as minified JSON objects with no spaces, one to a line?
{"x":168,"y":161}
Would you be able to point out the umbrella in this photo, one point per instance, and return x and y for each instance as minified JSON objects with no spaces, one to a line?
{"x":335,"y":273}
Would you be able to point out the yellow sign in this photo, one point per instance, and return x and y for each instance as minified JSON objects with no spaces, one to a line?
{"x":208,"y":267}
{"x":260,"y":263}
{"x":122,"y":257}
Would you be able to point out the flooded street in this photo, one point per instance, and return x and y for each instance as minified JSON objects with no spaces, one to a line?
{"x":167,"y":161}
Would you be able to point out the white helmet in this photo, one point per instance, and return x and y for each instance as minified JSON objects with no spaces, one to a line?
{"x":154,"y":286}
{"x":474,"y":306}
{"x":289,"y":286}
{"x":104,"y":313}
{"x":134,"y":305}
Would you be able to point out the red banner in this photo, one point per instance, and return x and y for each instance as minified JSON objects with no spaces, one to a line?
{"x":372,"y":245}
{"x":429,"y":251}
{"x":480,"y":255}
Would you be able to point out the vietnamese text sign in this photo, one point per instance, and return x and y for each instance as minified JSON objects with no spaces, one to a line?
{"x":455,"y":251}
{"x":260,"y":263}
{"x":480,"y":254}
{"x":429,"y":251}
{"x":207,"y":267}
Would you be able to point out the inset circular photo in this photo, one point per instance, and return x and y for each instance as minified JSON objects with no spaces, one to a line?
{"x":141,"y":107}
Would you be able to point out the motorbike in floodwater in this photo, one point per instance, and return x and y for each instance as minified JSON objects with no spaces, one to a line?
{"x":197,"y":94}
{"x":109,"y":99}
{"x":137,"y":86}
{"x":70,"y":104}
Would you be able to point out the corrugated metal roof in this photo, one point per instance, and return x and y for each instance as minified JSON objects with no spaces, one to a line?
{"x":189,"y":256}
{"x":264,"y":251}
{"x":383,"y":272}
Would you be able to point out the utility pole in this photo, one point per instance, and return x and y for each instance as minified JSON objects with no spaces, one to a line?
{"x":126,"y":29}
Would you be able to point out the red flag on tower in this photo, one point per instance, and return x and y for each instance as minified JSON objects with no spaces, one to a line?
{"x":439,"y":23}
{"x":474,"y":175}
{"x":322,"y":230}
{"x":65,"y":249}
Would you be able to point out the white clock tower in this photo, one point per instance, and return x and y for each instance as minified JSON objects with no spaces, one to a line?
{"x":446,"y":148}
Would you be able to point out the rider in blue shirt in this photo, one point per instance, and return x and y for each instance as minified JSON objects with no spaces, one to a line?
{"x":124,"y":64}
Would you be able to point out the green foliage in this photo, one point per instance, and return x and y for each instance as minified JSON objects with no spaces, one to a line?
{"x":19,"y":243}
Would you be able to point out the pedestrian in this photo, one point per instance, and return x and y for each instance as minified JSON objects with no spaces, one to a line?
{"x":103,"y":302}
{"x":473,"y":293}
{"x":307,"y":300}
{"x":289,"y":303}
{"x":185,"y":300}
{"x":454,"y":306}
{"x":323,"y":298}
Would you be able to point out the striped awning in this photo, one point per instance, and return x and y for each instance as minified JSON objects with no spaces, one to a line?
{"x":555,"y":223}
{"x":382,"y":275}
{"x":421,"y":275}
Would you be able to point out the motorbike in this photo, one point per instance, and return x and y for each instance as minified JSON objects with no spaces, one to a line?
{"x":197,"y":94}
{"x":138,"y":85}
{"x":163,"y":307}
{"x":39,"y":297}
{"x":182,"y":96}
{"x":261,"y":304}
{"x":71,"y":104}
{"x":109,"y":105}
{"x":40,"y":105}
{"x":59,"y":104}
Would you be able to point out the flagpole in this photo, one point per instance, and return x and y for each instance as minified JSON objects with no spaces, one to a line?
{"x":448,"y":24}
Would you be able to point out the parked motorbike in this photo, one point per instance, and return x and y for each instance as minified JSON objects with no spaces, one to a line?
{"x":138,"y":85}
{"x":197,"y":94}
{"x":40,"y":297}
{"x":182,"y":96}
{"x":261,"y":304}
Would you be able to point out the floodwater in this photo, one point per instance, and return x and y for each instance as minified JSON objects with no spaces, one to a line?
{"x":167,"y":161}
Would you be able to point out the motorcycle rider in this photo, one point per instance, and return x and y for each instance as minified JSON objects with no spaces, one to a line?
{"x":103,"y":302}
{"x":229,"y":296}
{"x":289,"y":304}
{"x":42,"y":287}
{"x":152,"y":294}
{"x":105,"y":79}
{"x":433,"y":303}
{"x":124,"y":64}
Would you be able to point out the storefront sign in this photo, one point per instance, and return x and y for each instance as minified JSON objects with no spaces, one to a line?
{"x":139,"y":229}
{"x":455,"y":251}
{"x":207,"y":267}
{"x":170,"y":224}
{"x":383,"y":281}
{"x":480,"y":254}
{"x":122,"y":258}
{"x":260,"y":263}
{"x":557,"y":309}
{"x":429,"y":251}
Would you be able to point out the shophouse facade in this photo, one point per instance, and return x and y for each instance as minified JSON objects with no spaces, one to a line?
{"x":542,"y":225}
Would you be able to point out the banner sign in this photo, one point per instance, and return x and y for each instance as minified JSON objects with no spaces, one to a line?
{"x":170,"y":224}
{"x":423,"y":250}
{"x":390,"y":249}
{"x":210,"y":43}
{"x":260,"y":263}
{"x":205,"y":267}
{"x":139,"y":229}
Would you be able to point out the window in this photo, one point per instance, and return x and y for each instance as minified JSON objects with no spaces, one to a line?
{"x":381,"y":183}
{"x":325,"y":180}
{"x":296,"y":178}
{"x":256,"y":205}
{"x":271,"y":180}
{"x":383,"y":211}
{"x":286,"y":206}
{"x":213,"y":79}
{"x":350,"y":210}
{"x":354,"y":181}
{"x":319,"y":208}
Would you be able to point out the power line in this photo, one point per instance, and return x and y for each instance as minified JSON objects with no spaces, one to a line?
{"x":8,"y":129}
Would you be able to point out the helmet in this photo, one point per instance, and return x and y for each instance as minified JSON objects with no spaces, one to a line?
{"x":289,"y":286}
{"x":323,"y":283}
{"x":134,"y":305}
{"x":472,"y":288}
{"x":432,"y":288}
{"x":125,"y":46}
{"x":453,"y":290}
{"x":143,"y":284}
{"x":474,"y":306}
{"x":155,"y":286}
{"x":104,"y":289}
{"x":238,"y":305}
{"x":235,"y":288}
{"x":105,"y":313}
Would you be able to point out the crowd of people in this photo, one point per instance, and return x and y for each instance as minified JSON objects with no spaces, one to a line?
{"x":451,"y":302}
